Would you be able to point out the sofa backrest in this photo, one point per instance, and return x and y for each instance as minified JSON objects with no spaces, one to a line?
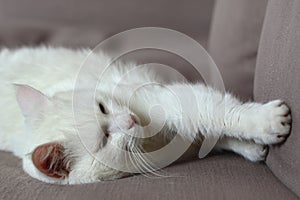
{"x":76,"y":23}
{"x":234,"y":40}
{"x":278,"y":77}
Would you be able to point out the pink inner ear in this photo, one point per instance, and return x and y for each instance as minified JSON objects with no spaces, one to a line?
{"x":49,"y":159}
{"x":30,"y":100}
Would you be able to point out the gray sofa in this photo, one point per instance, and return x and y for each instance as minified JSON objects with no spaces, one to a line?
{"x":256,"y":44}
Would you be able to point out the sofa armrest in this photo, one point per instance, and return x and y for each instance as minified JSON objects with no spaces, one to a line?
{"x":278,"y":77}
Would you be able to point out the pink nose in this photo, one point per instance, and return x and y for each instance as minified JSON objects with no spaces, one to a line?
{"x":132,"y":121}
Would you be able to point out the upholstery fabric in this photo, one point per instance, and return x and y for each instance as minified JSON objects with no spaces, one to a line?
{"x":234,"y":40}
{"x":86,"y":23}
{"x":227,"y":177}
{"x":277,"y":77}
{"x":76,"y":23}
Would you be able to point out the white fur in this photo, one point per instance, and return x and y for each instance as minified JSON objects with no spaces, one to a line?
{"x":190,"y":110}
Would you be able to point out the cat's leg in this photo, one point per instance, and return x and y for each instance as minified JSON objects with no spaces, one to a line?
{"x":248,"y":149}
{"x":194,"y":109}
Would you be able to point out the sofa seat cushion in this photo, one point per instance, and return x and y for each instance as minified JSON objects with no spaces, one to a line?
{"x":215,"y":177}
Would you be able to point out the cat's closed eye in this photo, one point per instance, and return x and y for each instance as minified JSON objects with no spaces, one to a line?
{"x":102,"y":108}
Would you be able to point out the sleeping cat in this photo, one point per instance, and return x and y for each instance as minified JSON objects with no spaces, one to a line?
{"x":72,"y":123}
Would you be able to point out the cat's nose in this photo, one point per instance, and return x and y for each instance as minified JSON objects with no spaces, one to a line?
{"x":132,"y":121}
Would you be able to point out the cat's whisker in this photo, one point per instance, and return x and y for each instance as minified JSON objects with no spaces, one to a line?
{"x":146,"y":165}
{"x":134,"y":162}
{"x":133,"y":158}
{"x":129,"y":148}
{"x":140,"y":162}
{"x":151,"y":164}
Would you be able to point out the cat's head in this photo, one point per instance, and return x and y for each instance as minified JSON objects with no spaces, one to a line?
{"x":77,"y":140}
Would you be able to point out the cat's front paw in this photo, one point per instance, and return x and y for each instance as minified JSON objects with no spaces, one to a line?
{"x":274,"y":122}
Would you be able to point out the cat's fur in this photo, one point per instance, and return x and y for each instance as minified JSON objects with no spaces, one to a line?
{"x":41,"y":111}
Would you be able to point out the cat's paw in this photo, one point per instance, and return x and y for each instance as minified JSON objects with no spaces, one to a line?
{"x":274,"y":122}
{"x":254,"y":152}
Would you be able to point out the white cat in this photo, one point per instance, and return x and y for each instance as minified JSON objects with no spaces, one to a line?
{"x":72,"y":123}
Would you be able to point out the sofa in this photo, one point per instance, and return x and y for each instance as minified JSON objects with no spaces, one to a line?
{"x":255,"y":44}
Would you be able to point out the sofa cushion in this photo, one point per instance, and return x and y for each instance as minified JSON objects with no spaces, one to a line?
{"x":277,"y":77}
{"x":234,"y":40}
{"x":216,"y":177}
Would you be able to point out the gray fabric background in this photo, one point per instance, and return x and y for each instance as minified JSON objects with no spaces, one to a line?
{"x":85,"y":23}
{"x":278,"y":77}
{"x":77,"y":23}
{"x":234,"y":40}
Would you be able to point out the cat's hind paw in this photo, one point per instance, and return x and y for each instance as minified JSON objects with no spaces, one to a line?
{"x":255,"y":152}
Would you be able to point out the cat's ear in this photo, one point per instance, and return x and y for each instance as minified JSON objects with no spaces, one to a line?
{"x":50,"y":160}
{"x":30,"y":100}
